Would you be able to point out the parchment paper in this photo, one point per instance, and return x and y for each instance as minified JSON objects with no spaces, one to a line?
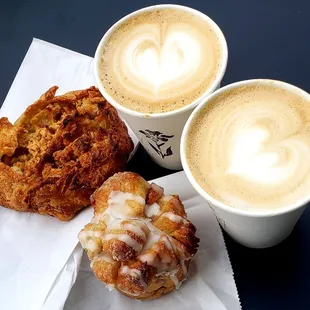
{"x":36,"y":264}
{"x":210,"y":284}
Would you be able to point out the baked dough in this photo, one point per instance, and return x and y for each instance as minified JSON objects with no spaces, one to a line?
{"x":60,"y":151}
{"x":139,"y":240}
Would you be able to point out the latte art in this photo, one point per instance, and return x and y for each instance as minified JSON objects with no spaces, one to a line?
{"x":154,"y":60}
{"x":160,"y":60}
{"x":254,"y":147}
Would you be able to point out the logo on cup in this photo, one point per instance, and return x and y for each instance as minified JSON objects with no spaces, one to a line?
{"x":157,"y":141}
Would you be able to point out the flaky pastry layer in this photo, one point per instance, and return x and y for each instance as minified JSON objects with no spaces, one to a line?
{"x":139,"y":241}
{"x":60,"y":151}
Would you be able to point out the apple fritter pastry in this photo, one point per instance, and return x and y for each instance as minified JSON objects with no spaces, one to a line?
{"x":139,"y":240}
{"x":60,"y":151}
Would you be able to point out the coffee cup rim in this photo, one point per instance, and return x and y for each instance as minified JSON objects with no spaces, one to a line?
{"x":249,"y":213}
{"x":188,"y":107}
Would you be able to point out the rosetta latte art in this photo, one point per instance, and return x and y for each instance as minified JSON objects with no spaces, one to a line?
{"x":160,"y":60}
{"x":255,"y":148}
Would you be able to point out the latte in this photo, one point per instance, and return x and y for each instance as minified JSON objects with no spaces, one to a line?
{"x":250,"y":147}
{"x":160,"y":60}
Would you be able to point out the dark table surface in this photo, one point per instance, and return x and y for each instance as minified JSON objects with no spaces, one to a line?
{"x":266,"y":39}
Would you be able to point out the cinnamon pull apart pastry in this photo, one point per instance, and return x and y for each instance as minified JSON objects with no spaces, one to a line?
{"x":139,"y":240}
{"x":60,"y":151}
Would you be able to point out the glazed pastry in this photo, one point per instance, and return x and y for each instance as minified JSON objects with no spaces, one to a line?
{"x":60,"y":151}
{"x":139,"y":240}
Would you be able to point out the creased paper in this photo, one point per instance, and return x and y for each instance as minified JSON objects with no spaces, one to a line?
{"x":36,"y":265}
{"x":210,"y":284}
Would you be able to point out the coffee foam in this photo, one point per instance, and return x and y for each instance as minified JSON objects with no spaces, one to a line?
{"x":250,"y":148}
{"x":160,"y":60}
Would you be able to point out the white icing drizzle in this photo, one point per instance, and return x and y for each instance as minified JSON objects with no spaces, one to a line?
{"x":127,"y":239}
{"x":95,"y":219}
{"x":134,"y":273}
{"x":91,"y":245}
{"x":106,"y":217}
{"x":173,"y":276}
{"x":110,"y":287}
{"x":115,"y":219}
{"x":85,"y":234}
{"x":174,"y":217}
{"x":152,"y":239}
{"x":136,"y":229}
{"x":151,"y":258}
{"x":118,"y":206}
{"x":117,"y":211}
{"x":176,"y":281}
{"x":148,"y":258}
{"x":86,"y":238}
{"x":153,"y":236}
{"x":152,"y":210}
{"x":167,"y":242}
{"x":113,"y":223}
{"x":167,"y":198}
{"x":102,"y":257}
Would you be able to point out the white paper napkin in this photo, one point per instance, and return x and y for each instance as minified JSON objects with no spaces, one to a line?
{"x":210,"y":284}
{"x":36,"y":264}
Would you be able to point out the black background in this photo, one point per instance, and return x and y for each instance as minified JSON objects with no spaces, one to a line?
{"x":266,"y":39}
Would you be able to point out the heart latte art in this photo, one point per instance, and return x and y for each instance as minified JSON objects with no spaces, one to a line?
{"x":160,"y":60}
{"x":250,"y":148}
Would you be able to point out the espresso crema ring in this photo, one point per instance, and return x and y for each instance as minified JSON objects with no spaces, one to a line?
{"x":160,"y":60}
{"x":254,"y":147}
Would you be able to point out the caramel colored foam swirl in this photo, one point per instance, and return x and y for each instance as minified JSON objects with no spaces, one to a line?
{"x":160,"y":61}
{"x":255,"y":144}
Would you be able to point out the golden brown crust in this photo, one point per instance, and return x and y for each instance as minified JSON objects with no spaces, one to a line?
{"x":134,"y":184}
{"x":139,"y":241}
{"x":60,"y":151}
{"x":160,"y":286}
{"x":155,"y":193}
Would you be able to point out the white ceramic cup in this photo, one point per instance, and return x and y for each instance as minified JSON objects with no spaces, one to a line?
{"x":160,"y":133}
{"x":252,"y":228}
